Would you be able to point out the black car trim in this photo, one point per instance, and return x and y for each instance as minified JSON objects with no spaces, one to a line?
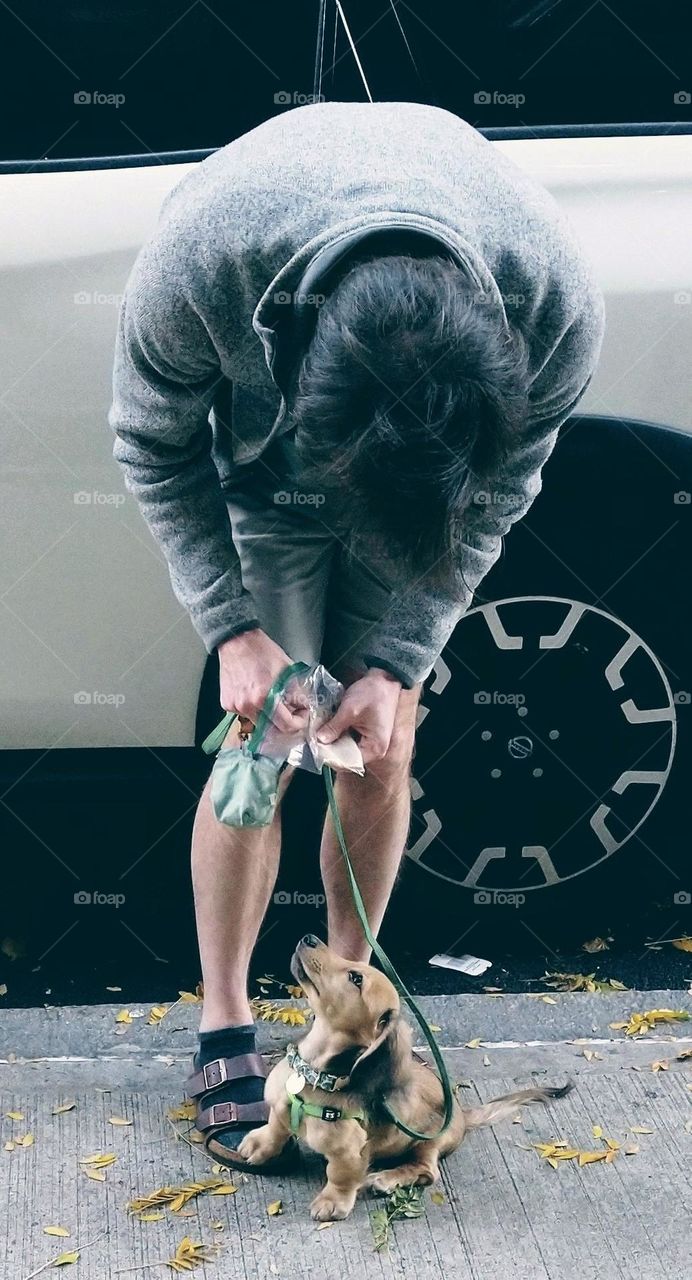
{"x":509,"y":133}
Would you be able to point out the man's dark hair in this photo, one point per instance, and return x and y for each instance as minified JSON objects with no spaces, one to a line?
{"x":408,"y":398}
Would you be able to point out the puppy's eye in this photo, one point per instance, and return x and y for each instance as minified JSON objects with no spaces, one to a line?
{"x":385,"y":1019}
{"x":355,"y":977}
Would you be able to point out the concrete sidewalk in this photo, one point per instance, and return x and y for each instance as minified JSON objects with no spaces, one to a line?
{"x":505,"y":1211}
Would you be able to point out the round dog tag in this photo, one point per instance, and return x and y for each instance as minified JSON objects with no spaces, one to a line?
{"x":295,"y":1083}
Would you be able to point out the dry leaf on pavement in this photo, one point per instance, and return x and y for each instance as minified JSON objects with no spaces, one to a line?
{"x":639,"y":1023}
{"x":175,"y":1197}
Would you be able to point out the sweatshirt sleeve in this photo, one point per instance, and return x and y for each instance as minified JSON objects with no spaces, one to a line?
{"x":419,"y":622}
{"x":164,"y":377}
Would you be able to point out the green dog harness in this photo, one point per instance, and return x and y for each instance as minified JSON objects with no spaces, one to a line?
{"x":300,"y":1108}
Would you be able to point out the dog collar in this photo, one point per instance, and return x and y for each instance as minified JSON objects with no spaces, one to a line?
{"x":317,"y":1079}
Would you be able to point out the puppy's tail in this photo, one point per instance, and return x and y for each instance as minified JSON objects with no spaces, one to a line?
{"x":502,"y":1108}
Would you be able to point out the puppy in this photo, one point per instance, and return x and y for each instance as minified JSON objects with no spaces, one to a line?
{"x":360,"y":1038}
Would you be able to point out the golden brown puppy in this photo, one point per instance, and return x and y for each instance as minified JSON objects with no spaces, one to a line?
{"x":359,"y":1037}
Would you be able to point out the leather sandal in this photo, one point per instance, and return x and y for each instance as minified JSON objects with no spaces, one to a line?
{"x":217,"y":1118}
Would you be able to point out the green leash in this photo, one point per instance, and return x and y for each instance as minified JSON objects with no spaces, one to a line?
{"x":390,"y":971}
{"x":215,"y":740}
{"x":212,"y":743}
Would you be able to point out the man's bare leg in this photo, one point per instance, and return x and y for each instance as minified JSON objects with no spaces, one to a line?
{"x":233,"y":871}
{"x":376,"y":812}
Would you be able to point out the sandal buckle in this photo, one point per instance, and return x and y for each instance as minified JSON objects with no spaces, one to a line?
{"x":214,"y":1073}
{"x":223,"y":1113}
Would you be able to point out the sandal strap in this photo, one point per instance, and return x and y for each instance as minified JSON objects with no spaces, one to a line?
{"x":225,"y":1115}
{"x":219,"y":1070}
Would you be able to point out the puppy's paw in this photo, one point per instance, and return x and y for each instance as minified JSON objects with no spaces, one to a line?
{"x":257,"y":1146}
{"x":387,"y":1180}
{"x":331,"y":1206}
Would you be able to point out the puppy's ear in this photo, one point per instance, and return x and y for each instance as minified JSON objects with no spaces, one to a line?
{"x":384,"y":1061}
{"x":342,"y":1063}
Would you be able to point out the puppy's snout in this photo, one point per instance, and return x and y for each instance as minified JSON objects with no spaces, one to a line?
{"x":310,"y":940}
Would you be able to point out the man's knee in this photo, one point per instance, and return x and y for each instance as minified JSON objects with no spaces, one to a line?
{"x":395,"y":765}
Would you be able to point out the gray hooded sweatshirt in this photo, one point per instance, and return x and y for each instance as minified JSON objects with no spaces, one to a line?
{"x":193,"y":394}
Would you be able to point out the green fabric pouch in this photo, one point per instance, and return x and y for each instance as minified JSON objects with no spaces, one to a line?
{"x":244,"y":788}
{"x":245,"y":783}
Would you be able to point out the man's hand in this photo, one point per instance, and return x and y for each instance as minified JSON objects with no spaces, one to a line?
{"x":249,"y":665}
{"x":369,"y":706}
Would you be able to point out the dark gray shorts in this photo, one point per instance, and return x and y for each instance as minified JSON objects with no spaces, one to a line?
{"x":312,"y":598}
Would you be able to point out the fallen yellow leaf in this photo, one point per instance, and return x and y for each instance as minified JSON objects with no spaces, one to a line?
{"x":639,"y":1023}
{"x":64,"y":1106}
{"x":269,"y":1011}
{"x":65,"y":1258}
{"x":683,"y":944}
{"x":189,"y":1255}
{"x":151,"y":1217}
{"x":275,"y":1208}
{"x":124,"y":1016}
{"x":641,"y":1128}
{"x":14,"y":1115}
{"x":186,"y":1111}
{"x":473,"y":1044}
{"x":56,"y":1231}
{"x":156,"y":1013}
{"x":118,"y":1120}
{"x":227,"y":1189}
{"x":175,"y":1197}
{"x":597,"y":1131}
{"x":99,"y":1160}
{"x":96,"y":1175}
